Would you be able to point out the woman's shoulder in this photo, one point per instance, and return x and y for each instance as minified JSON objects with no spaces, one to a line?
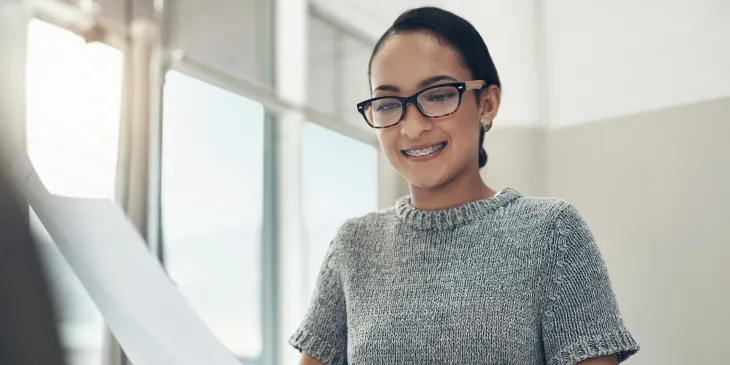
{"x":540,"y":210}
{"x":558,"y":212}
{"x":549,"y":218}
{"x":366,"y":224}
{"x":560,"y":224}
{"x":546,"y":206}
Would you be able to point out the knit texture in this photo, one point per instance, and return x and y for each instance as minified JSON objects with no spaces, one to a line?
{"x":507,"y":280}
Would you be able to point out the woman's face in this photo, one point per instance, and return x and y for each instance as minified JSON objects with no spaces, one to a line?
{"x":405,"y":64}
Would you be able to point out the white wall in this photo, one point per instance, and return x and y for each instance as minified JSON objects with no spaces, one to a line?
{"x":654,"y":193}
{"x":509,"y":29}
{"x":612,"y":58}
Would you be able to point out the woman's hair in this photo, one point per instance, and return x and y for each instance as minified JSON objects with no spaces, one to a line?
{"x":456,"y":32}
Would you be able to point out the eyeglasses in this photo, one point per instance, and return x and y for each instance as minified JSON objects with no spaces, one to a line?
{"x":436,"y":101}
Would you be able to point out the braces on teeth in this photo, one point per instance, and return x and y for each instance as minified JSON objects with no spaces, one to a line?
{"x":425,"y":151}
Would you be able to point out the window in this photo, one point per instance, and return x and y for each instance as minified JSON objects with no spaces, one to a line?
{"x":339,"y":181}
{"x":73,"y":108}
{"x":74,"y":96}
{"x":338,"y":77}
{"x":212,"y":207}
{"x":233,"y":36}
{"x":353,"y":77}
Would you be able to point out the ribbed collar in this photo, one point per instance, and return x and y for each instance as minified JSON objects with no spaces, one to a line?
{"x":452,"y":217}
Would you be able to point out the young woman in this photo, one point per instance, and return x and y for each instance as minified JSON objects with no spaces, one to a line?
{"x":455,"y":273}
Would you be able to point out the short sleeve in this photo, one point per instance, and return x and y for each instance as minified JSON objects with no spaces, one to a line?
{"x":323,"y":332}
{"x":581,"y":318}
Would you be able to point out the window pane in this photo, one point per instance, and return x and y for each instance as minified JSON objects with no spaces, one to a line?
{"x":354,"y":78}
{"x":322,"y":83}
{"x":74,"y":97}
{"x":229,"y":35}
{"x":339,"y":181}
{"x":73,"y":108}
{"x":212,"y":205}
{"x":338,"y":68}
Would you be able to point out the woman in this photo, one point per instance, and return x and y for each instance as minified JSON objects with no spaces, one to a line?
{"x":456,"y":272}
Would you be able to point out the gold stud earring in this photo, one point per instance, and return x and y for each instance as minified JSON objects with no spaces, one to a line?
{"x":486,"y":124}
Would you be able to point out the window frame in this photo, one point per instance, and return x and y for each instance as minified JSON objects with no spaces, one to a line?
{"x":168,"y":59}
{"x":73,"y":19}
{"x":325,"y":12}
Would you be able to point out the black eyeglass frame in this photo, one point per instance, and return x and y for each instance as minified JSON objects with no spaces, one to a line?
{"x":405,"y":100}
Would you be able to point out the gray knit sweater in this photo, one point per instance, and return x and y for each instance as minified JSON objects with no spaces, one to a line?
{"x":508,"y":280}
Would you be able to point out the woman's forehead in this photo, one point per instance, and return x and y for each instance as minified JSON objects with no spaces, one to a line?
{"x":405,"y":60}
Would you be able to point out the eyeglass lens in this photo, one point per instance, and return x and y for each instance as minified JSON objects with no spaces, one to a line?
{"x":434,"y":102}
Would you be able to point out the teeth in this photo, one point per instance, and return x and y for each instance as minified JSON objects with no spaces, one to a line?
{"x":425,"y":151}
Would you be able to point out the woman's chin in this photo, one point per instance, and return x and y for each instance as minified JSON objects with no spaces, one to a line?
{"x":426,"y":180}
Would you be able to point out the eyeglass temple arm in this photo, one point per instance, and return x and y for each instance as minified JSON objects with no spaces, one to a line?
{"x":476,"y":84}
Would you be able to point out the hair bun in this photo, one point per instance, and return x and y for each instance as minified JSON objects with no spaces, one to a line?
{"x":482,"y":157}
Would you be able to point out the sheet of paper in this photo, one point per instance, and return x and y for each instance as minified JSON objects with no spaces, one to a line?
{"x":149,"y":317}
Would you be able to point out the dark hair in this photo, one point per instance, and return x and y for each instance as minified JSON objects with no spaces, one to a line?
{"x":456,"y":32}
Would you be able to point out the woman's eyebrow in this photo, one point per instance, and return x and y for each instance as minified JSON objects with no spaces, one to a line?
{"x":435,"y":79}
{"x":425,"y":82}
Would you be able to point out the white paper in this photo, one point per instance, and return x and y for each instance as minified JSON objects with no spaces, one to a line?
{"x":149,"y":317}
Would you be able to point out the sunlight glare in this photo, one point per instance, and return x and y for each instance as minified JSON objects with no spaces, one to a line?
{"x":74,"y":96}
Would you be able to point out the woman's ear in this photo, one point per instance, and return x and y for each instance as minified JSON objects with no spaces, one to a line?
{"x":489,"y":100}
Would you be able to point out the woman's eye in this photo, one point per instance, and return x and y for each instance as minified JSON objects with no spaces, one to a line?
{"x":440,"y":97}
{"x":387,"y":107}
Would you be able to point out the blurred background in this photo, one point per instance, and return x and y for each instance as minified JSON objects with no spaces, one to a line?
{"x":227,"y":131}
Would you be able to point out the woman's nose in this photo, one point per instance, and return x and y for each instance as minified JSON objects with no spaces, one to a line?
{"x":414,"y":123}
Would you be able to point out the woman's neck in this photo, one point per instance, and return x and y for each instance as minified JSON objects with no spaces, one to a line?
{"x":459,"y":191}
